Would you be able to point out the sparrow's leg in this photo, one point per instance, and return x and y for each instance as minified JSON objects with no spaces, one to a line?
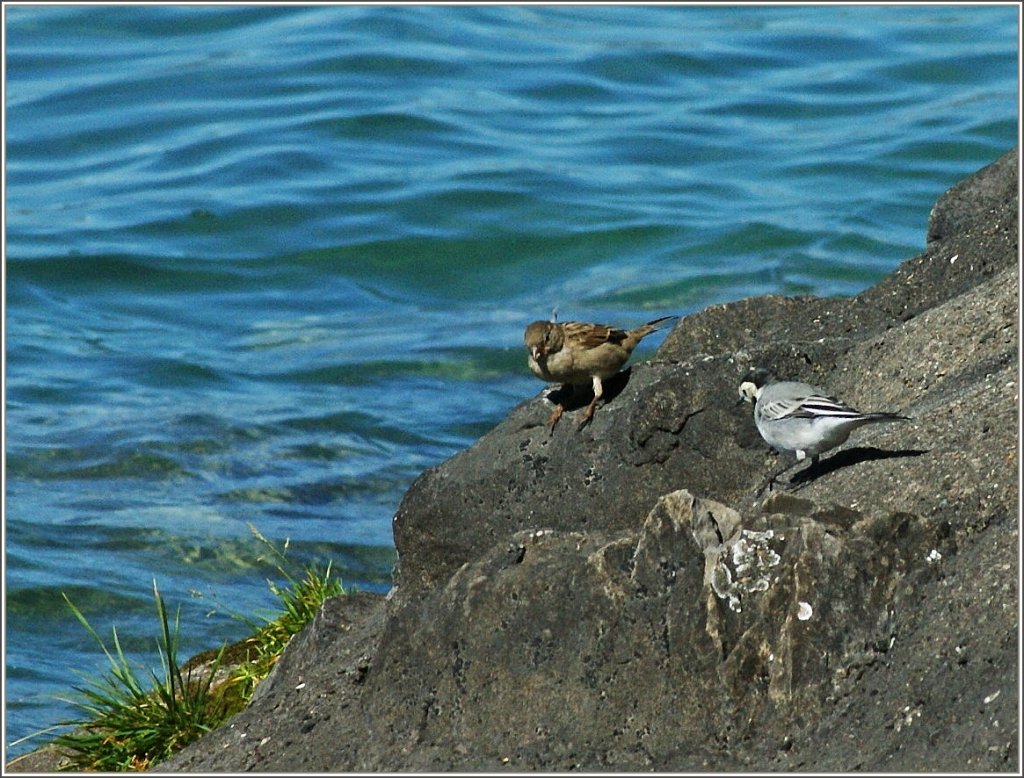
{"x":589,"y":412}
{"x":556,"y":414}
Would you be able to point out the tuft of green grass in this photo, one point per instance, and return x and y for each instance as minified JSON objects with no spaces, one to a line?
{"x":132,"y":722}
{"x":300,"y":601}
{"x":131,"y":726}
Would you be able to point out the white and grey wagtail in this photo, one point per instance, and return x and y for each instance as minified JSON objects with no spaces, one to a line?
{"x":798,"y":417}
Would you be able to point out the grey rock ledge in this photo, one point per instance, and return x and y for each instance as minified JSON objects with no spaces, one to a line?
{"x":613,"y":598}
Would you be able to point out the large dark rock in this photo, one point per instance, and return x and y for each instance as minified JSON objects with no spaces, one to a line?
{"x":615,"y":597}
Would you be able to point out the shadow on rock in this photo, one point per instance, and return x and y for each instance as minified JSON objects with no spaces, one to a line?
{"x":848,"y":458}
{"x":572,"y":397}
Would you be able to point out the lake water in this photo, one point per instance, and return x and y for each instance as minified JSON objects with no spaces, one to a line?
{"x":265,"y":265}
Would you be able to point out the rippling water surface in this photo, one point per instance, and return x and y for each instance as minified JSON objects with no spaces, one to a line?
{"x":264,"y":265}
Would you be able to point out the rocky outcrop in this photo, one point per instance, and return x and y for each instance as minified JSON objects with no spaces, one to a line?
{"x":616,"y":598}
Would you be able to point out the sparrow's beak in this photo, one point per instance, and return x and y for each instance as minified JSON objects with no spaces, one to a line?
{"x":536,"y":352}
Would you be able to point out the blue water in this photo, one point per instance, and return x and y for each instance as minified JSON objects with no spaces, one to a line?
{"x":265,"y":265}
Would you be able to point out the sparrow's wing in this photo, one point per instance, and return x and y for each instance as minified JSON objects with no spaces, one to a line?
{"x":592,"y":335}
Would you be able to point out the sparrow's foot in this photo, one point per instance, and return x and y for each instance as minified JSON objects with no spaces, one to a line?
{"x":556,"y":414}
{"x":588,"y":414}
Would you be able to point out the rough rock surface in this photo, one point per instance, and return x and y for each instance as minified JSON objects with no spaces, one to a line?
{"x":616,"y":598}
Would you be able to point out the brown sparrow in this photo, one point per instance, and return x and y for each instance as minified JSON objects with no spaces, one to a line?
{"x":576,"y":352}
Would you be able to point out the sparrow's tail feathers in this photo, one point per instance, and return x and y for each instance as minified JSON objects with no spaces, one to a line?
{"x":641,"y":332}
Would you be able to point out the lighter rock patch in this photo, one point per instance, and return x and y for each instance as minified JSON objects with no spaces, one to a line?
{"x":753,"y":559}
